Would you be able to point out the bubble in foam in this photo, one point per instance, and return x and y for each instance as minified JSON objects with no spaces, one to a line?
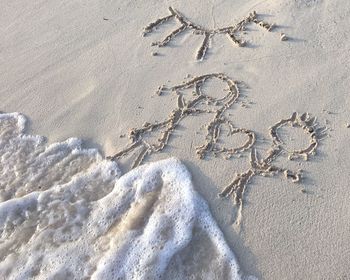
{"x":66,"y":212}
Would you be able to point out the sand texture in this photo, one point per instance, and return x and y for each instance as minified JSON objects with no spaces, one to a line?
{"x":251,"y":96}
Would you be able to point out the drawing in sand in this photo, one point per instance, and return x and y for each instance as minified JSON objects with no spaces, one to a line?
{"x":189,"y":108}
{"x":139,"y":145}
{"x":233,"y":32}
{"x":264,"y":166}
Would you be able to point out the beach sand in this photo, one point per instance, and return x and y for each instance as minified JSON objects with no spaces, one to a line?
{"x":83,"y":69}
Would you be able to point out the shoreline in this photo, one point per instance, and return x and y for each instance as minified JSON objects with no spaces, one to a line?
{"x":72,"y":73}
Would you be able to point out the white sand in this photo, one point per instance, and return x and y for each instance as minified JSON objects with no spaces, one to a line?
{"x":75,"y":74}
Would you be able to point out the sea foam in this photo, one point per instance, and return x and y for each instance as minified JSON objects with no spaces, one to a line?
{"x":67,"y":213}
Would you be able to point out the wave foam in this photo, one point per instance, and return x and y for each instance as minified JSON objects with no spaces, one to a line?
{"x":66,"y":212}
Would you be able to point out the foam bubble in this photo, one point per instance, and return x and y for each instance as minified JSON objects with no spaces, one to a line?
{"x":67,"y":213}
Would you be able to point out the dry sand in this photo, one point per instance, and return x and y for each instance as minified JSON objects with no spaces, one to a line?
{"x":83,"y":69}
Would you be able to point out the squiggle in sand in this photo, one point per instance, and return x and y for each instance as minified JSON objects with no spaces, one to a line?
{"x":232,"y":31}
{"x":263,"y":166}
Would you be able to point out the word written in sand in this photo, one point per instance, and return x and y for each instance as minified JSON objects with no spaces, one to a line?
{"x":232,"y":32}
{"x":140,"y":147}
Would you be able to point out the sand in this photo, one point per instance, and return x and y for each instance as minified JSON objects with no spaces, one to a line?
{"x":83,"y":69}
